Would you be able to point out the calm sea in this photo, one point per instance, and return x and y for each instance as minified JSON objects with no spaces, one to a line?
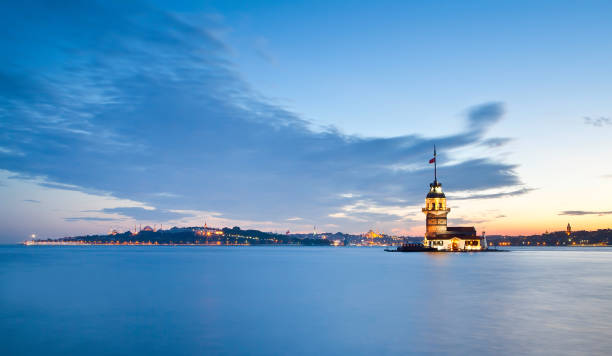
{"x":303,"y":301}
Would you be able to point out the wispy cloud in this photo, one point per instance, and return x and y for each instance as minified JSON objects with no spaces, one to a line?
{"x":177,"y":128}
{"x":465,"y":221}
{"x":166,"y":195}
{"x":584,"y":212}
{"x":60,"y":186}
{"x":138,"y":213}
{"x":8,"y":151}
{"x":262,"y":48}
{"x":496,"y":142}
{"x":350,"y":217}
{"x":31,"y":201}
{"x":89,"y":218}
{"x":598,"y":121}
{"x":511,"y":193}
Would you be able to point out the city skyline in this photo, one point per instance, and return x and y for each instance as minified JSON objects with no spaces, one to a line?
{"x":277,"y":117}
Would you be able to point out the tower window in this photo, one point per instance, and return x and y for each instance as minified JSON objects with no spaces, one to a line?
{"x":439,"y":205}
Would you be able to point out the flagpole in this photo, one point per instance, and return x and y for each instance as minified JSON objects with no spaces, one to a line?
{"x":435,"y":166}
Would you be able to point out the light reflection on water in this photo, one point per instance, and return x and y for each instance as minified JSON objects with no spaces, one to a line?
{"x":303,"y":300}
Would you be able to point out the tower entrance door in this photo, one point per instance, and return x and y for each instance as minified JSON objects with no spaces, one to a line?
{"x":454,"y":245}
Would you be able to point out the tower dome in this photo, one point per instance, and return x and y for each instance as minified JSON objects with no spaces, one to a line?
{"x":435,"y":190}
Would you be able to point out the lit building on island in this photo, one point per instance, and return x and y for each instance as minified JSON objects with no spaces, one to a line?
{"x":437,"y":234}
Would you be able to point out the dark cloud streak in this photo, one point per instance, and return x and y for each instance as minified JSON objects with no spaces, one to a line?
{"x":584,"y":212}
{"x":598,"y":121}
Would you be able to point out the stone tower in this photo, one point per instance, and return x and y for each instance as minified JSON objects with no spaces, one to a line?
{"x":435,"y":210}
{"x":435,"y":205}
{"x":568,"y":231}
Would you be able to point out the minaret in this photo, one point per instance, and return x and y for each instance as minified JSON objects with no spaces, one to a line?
{"x":435,"y":205}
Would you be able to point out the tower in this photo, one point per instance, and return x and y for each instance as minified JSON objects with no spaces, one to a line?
{"x":568,"y":231}
{"x":435,"y":210}
{"x":435,"y":206}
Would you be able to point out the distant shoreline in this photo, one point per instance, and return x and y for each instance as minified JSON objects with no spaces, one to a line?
{"x":209,"y":236}
{"x":73,"y":243}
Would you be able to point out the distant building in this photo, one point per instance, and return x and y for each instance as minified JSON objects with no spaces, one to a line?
{"x":440,"y":236}
{"x":568,"y":231}
{"x":372,"y":235}
{"x":208,"y":231}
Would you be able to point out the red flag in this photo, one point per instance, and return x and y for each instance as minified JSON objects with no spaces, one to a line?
{"x":432,"y":160}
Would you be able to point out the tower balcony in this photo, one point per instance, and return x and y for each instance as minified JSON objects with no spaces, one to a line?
{"x":436,"y":211}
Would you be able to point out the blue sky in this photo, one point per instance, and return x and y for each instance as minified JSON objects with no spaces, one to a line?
{"x":286,"y":115}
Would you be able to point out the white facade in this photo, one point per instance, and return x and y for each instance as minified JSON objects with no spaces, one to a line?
{"x":471,"y":243}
